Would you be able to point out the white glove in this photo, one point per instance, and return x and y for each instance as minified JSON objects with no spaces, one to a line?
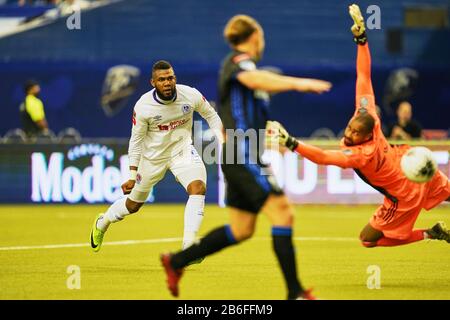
{"x":277,"y":134}
{"x":358,"y":27}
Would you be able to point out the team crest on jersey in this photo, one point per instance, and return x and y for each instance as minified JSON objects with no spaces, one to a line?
{"x":138,"y":178}
{"x":186,"y":108}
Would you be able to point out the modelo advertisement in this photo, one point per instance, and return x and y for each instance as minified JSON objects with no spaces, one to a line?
{"x":93,"y":173}
{"x":82,"y":173}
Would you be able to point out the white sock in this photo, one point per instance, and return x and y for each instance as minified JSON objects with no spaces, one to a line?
{"x":116,"y":212}
{"x":193,"y":217}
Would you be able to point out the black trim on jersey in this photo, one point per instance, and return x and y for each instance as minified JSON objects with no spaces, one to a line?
{"x":157,"y":99}
{"x":379,"y":189}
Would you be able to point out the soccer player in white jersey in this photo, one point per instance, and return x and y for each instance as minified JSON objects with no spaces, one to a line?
{"x":160,"y":141}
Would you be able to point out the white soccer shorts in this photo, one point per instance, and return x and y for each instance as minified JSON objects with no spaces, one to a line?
{"x":186,"y":167}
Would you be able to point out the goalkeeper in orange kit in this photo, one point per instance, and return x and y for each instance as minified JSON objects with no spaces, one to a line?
{"x":365,"y":149}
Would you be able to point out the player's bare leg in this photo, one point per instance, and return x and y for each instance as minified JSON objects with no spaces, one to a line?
{"x":242,"y":224}
{"x":369,"y":236}
{"x":281,"y":215}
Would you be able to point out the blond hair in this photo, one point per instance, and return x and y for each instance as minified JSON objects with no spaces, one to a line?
{"x":239,"y":28}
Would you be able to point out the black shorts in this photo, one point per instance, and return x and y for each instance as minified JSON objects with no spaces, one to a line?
{"x":248,"y":187}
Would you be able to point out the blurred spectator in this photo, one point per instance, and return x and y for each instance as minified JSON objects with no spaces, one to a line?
{"x":32,"y":111}
{"x":406,"y":127}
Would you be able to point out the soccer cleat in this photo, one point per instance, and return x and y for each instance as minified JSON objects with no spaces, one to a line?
{"x":173,"y":275}
{"x":439,"y":232}
{"x":97,"y":235}
{"x":306,"y":295}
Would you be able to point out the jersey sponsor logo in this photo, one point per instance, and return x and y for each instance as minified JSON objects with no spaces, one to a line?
{"x":172,"y":125}
{"x":186,"y":108}
{"x":157,"y":118}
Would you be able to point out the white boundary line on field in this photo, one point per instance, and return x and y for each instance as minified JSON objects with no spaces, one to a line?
{"x":150,"y":241}
{"x":326,"y":239}
{"x":78,"y":245}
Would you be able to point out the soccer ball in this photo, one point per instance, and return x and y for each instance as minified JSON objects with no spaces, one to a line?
{"x":418,"y":164}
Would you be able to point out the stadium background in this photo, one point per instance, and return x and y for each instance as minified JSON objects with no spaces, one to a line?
{"x":39,"y":242}
{"x":304,"y":38}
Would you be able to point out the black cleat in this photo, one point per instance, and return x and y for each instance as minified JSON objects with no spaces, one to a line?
{"x":439,"y":232}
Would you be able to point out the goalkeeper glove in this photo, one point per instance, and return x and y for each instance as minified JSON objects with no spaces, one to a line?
{"x":358,"y":28}
{"x":277,"y":134}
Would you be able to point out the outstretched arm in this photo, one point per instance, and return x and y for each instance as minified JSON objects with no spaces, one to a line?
{"x":364,"y":91}
{"x":272,"y":82}
{"x":363,"y":78}
{"x":276,"y":134}
{"x":326,"y":157}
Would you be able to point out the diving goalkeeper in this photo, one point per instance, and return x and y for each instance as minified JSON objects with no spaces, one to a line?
{"x":365,"y":149}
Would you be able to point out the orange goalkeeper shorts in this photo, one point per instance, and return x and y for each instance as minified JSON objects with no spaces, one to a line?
{"x":396,"y":220}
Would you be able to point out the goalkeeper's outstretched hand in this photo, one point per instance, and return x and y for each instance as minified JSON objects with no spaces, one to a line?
{"x":358,"y":27}
{"x":277,"y":134}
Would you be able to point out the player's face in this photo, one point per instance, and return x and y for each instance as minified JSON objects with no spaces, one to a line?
{"x":35,"y":90}
{"x":355,"y":133}
{"x":164,"y":82}
{"x":404,"y":112}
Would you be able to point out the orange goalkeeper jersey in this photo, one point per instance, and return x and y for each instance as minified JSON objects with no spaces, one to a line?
{"x":375,"y":161}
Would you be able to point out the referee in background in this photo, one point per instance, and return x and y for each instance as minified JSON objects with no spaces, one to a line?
{"x":32,"y":111}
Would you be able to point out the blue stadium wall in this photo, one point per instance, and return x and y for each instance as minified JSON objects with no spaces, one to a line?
{"x":304,"y":38}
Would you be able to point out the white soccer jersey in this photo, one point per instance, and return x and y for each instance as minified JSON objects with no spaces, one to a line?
{"x":161,"y":129}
